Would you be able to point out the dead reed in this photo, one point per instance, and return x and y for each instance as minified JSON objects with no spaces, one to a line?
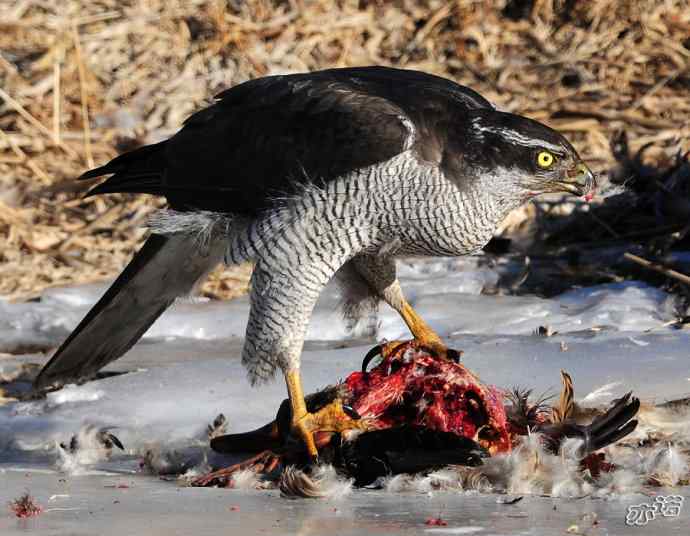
{"x":81,"y":80}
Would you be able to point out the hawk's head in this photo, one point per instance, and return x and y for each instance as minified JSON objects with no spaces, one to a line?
{"x":534,"y":158}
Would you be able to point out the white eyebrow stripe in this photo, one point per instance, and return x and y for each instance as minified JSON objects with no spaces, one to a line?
{"x":519,"y":138}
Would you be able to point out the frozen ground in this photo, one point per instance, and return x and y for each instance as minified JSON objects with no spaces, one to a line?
{"x":91,"y":505}
{"x":186,"y":370}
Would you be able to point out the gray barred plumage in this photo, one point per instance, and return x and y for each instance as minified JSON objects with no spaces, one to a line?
{"x":299,"y":246}
{"x":312,"y":176}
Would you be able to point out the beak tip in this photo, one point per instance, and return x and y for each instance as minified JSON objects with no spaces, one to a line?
{"x":587,"y":181}
{"x":591,"y":185}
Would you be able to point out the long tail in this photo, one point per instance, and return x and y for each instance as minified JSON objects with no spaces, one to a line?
{"x":165,"y":268}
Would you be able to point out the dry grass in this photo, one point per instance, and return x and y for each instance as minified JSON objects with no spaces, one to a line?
{"x":81,"y":80}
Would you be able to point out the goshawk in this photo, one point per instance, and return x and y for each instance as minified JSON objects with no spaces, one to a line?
{"x":311,"y":176}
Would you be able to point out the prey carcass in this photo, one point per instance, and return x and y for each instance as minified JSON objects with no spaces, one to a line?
{"x":418,"y":413}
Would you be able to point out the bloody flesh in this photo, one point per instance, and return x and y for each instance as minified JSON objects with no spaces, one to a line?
{"x":421,"y":412}
{"x":412,"y":387}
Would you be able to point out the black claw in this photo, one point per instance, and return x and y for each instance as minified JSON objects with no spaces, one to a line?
{"x":424,"y":347}
{"x":371,"y":354}
{"x":351,"y":412}
{"x":454,"y":355}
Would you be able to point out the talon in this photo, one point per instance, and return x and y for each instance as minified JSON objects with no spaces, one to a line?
{"x":371,"y":354}
{"x":441,"y":351}
{"x":384,"y":350}
{"x":334,"y":417}
{"x":351,"y":412}
{"x":454,"y":355}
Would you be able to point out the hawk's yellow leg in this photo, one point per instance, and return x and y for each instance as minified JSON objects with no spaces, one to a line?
{"x":330,"y":418}
{"x":420,"y":330}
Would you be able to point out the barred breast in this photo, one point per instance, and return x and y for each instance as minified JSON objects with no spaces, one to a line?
{"x":428,"y":214}
{"x":402,"y":200}
{"x":399,"y":207}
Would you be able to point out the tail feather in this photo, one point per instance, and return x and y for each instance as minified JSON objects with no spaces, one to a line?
{"x":127,"y":183}
{"x":138,"y":171}
{"x":165,"y":268}
{"x":616,"y":423}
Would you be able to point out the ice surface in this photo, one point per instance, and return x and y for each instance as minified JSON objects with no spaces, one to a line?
{"x":95,"y":505}
{"x":187,"y":370}
{"x":174,"y":399}
{"x":449,"y":299}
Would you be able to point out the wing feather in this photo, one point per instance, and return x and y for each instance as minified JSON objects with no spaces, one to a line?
{"x":264,"y":137}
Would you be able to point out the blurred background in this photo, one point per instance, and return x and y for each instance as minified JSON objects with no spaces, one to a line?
{"x":81,"y":81}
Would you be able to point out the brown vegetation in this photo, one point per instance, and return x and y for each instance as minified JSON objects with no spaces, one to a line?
{"x":81,"y":80}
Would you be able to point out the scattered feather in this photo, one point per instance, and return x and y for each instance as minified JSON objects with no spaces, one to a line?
{"x":25,"y":506}
{"x":87,"y":447}
{"x":246,"y":479}
{"x":436,"y":522}
{"x":323,"y":482}
{"x":218,"y":427}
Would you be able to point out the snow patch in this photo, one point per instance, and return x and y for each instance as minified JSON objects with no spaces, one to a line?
{"x":605,"y":392}
{"x":74,"y":393}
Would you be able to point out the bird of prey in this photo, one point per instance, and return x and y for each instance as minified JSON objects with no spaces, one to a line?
{"x":329,"y":174}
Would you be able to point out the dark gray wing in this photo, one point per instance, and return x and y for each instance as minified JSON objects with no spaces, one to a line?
{"x":264,"y":136}
{"x":165,"y":268}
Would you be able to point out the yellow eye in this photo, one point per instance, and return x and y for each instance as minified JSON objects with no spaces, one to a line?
{"x":545,"y":159}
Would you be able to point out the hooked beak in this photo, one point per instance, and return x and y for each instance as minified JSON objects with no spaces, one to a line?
{"x":580,"y":181}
